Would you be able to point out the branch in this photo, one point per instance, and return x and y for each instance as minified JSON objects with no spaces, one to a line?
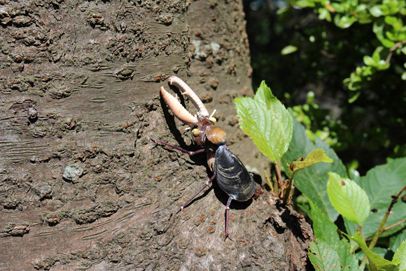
{"x":396,"y":46}
{"x":382,"y":226}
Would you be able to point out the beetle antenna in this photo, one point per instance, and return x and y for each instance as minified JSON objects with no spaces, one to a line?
{"x":214,"y":111}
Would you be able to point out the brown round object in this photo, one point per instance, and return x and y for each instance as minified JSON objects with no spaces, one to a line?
{"x":216,"y":135}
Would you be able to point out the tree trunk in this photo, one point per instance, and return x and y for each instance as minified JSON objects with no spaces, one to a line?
{"x":82,"y":185}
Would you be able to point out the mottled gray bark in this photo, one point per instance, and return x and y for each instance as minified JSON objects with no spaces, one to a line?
{"x":82,"y":185}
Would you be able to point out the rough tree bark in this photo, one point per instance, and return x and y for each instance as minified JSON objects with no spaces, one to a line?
{"x":82,"y":185}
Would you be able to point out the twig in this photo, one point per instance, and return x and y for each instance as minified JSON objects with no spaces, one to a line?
{"x":394,"y":47}
{"x":382,"y":228}
{"x":269,"y":181}
{"x":278,"y":171}
{"x":394,"y":225}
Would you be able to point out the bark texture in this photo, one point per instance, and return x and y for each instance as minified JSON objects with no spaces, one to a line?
{"x":82,"y":185}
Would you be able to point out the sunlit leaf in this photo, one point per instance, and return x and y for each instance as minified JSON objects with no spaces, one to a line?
{"x":380,"y":183}
{"x":400,"y":255}
{"x":390,"y":20}
{"x":376,"y":11}
{"x":288,"y":50}
{"x":314,"y":157}
{"x":348,"y":198}
{"x":266,"y":120}
{"x":369,"y":61}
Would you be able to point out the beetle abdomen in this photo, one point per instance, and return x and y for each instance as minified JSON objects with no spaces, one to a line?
{"x":232,"y":176}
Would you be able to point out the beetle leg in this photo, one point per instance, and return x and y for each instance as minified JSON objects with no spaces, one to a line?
{"x":200,"y":190}
{"x":191,"y":153}
{"x":227,"y":216}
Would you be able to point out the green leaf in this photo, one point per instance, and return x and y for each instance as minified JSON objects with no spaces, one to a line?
{"x":347,"y":259}
{"x":377,"y":250}
{"x":354,"y":175}
{"x":348,"y":198}
{"x":391,"y":36}
{"x":324,"y":229}
{"x":314,"y":157}
{"x":324,"y":14}
{"x":323,"y":257}
{"x":312,"y":181}
{"x":368,"y":71}
{"x":369,"y":61}
{"x":396,"y":240}
{"x":338,"y":8}
{"x":288,"y":50}
{"x":376,"y":11}
{"x":344,"y":21}
{"x":266,"y":120}
{"x":380,"y":183}
{"x":376,"y":262}
{"x":391,"y":20}
{"x":305,"y":4}
{"x":353,"y":96}
{"x":387,"y":43}
{"x":382,"y":65}
{"x":403,"y":76}
{"x":378,"y":28}
{"x":400,"y":255}
{"x":376,"y":55}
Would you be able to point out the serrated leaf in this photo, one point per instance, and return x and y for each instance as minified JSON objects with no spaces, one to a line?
{"x":324,"y":229}
{"x":323,"y":257}
{"x":376,"y":262}
{"x":348,"y":199}
{"x":312,"y":181}
{"x":400,"y":255}
{"x":288,"y":50}
{"x":380,"y":183}
{"x":314,"y":157}
{"x":266,"y":120}
{"x":348,"y":260}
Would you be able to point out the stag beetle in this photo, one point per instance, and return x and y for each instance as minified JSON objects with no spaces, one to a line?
{"x":232,"y":176}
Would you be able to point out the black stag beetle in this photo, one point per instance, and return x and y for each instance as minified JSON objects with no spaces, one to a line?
{"x":232,"y":176}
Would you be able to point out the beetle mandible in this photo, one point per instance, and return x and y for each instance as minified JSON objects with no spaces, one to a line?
{"x":231,"y":174}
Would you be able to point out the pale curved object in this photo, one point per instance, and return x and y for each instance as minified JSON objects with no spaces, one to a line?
{"x":178,"y":110}
{"x":186,"y":90}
